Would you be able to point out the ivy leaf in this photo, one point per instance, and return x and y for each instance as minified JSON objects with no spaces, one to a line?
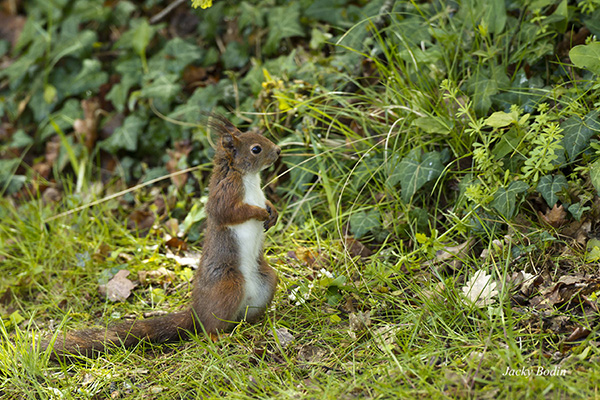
{"x":91,"y":77}
{"x":587,"y":57}
{"x":577,"y":210}
{"x":142,"y":34}
{"x":126,"y":136}
{"x":505,"y":199}
{"x":550,"y":185}
{"x":284,"y":22}
{"x":577,"y":133}
{"x":163,"y":87}
{"x":415,"y":170}
{"x":362,"y":223}
{"x":595,"y":175}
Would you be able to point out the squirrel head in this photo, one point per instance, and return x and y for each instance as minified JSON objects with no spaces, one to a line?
{"x":246,"y":152}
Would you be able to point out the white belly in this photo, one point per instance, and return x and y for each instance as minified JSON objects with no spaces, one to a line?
{"x":250,"y":237}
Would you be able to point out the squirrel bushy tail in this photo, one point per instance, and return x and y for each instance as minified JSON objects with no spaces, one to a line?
{"x":90,"y":342}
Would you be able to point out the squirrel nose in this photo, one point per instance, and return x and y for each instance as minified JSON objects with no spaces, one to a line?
{"x":278,"y":150}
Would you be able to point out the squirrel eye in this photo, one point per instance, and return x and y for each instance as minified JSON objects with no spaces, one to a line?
{"x":256,"y":149}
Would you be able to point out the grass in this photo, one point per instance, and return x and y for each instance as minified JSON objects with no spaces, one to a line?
{"x":420,"y":339}
{"x":407,"y":165}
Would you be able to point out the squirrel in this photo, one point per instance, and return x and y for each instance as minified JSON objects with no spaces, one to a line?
{"x":233,"y":282}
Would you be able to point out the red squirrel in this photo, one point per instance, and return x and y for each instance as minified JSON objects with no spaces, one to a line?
{"x":234,"y":282}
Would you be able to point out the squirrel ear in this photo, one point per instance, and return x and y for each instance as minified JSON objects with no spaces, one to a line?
{"x":229,"y":141}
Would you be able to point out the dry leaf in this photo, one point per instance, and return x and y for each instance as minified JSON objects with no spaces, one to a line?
{"x":284,"y":336}
{"x":555,"y":216}
{"x":480,"y":289}
{"x":359,"y":321}
{"x":87,"y":129}
{"x":140,"y":220}
{"x":356,"y":248}
{"x":182,"y":149}
{"x":189,"y":258}
{"x":176,"y":243}
{"x":453,"y":253}
{"x":119,"y":287}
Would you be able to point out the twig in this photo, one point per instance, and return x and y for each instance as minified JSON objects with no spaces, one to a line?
{"x":164,"y":12}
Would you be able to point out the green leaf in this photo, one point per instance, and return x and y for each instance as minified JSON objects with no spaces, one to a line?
{"x":90,"y":77}
{"x":550,"y":185}
{"x":362,"y":222}
{"x":284,"y":22}
{"x":432,"y":125}
{"x":508,"y":143}
{"x":505,"y":199}
{"x":482,"y":89}
{"x":119,"y":92}
{"x":76,"y":46}
{"x":164,"y":87}
{"x":126,"y":136}
{"x":586,"y":56}
{"x":196,"y":214}
{"x":577,"y":210}
{"x":235,"y":55}
{"x":141,"y":36}
{"x":577,"y":133}
{"x":500,"y":119}
{"x":414,"y":171}
{"x":495,"y":15}
{"x":49,"y":93}
{"x":595,"y":175}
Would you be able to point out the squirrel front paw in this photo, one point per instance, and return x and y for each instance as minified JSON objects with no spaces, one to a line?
{"x":273,"y":215}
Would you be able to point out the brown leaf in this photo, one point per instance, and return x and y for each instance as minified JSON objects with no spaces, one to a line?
{"x":119,"y":287}
{"x":569,"y":288}
{"x":579,"y":333}
{"x":176,"y":243}
{"x":554,"y":216}
{"x":87,"y":129}
{"x":140,"y":219}
{"x":182,"y":149}
{"x":11,"y":27}
{"x":356,"y":248}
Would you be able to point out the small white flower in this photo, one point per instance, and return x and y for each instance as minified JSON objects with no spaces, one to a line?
{"x":326,"y":273}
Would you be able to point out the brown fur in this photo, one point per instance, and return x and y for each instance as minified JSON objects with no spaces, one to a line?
{"x":218,"y":286}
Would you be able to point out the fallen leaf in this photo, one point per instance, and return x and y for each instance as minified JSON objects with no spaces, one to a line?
{"x":359,"y":321}
{"x":87,"y":129}
{"x":452,"y":255}
{"x":140,"y":220}
{"x":283,"y":336}
{"x":11,"y":27}
{"x":555,"y":216}
{"x":355,"y":248}
{"x":579,"y":333}
{"x":480,"y":289}
{"x":311,"y":354}
{"x":189,"y":258}
{"x":176,"y":244}
{"x":182,"y":149}
{"x":119,"y":287}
